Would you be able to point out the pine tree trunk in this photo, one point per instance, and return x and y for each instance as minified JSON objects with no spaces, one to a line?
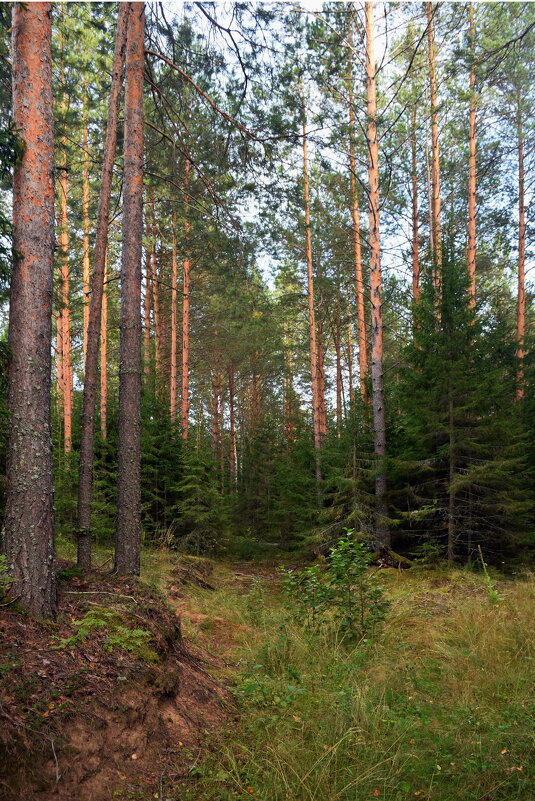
{"x":357,"y":255}
{"x":256,"y":404}
{"x":184,"y":408}
{"x":350,"y":357}
{"x":65,"y":312}
{"x":321,"y":377}
{"x":232,"y":429}
{"x":146,"y":317}
{"x":415,"y":238}
{"x":338,"y":351}
{"x":221,"y":437}
{"x":128,"y":541}
{"x":173,"y":400}
{"x":521,"y":300}
{"x":435,"y":155}
{"x":29,"y":513}
{"x":382,"y":534}
{"x":316,"y":404}
{"x":215,"y":414}
{"x":451,"y":492}
{"x":85,"y":212}
{"x":85,"y":484}
{"x":104,"y":360}
{"x":471,"y":249}
{"x":156,"y":301}
{"x":288,"y":387}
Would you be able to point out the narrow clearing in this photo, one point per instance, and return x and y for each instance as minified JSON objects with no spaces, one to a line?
{"x":220,"y":694}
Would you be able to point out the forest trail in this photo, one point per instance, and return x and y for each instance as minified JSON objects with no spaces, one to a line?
{"x":200,"y":698}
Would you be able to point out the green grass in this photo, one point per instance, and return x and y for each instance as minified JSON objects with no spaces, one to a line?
{"x":440,"y":706}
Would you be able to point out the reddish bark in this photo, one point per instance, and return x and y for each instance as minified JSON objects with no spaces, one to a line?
{"x":521,"y":301}
{"x":357,"y":255}
{"x":471,"y":249}
{"x":321,"y":361}
{"x":255,"y":404}
{"x":85,"y":485}
{"x":435,"y":154}
{"x":415,"y":238}
{"x":338,"y":351}
{"x":65,"y":309}
{"x":146,"y":317}
{"x":350,"y":356}
{"x":316,"y":403}
{"x":85,"y":212}
{"x":156,"y":300}
{"x":232,"y":429}
{"x":288,"y":388}
{"x":184,"y":406}
{"x":173,"y":399}
{"x":216,"y":386}
{"x":382,"y":534}
{"x":104,"y":361}
{"x":222,"y":436}
{"x":29,"y":512}
{"x":128,"y":539}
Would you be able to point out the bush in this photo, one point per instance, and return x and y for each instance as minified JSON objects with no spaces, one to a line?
{"x":344,"y":590}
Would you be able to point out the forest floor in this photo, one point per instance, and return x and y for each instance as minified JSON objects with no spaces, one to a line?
{"x":241,"y":701}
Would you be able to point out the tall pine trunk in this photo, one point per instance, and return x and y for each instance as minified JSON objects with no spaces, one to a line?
{"x":184,"y":403}
{"x":350,"y":356}
{"x":357,"y":255}
{"x":216,"y":387}
{"x":435,"y":156}
{"x":471,"y":249}
{"x":338,"y":352}
{"x":521,"y":300}
{"x":87,"y":429}
{"x":85,"y":212}
{"x":156,"y":300}
{"x":65,"y":307}
{"x":146,"y":317}
{"x":382,"y":534}
{"x":104,"y":360}
{"x":232,"y":429}
{"x":29,"y":513}
{"x":128,"y":540}
{"x":415,"y":234}
{"x":316,"y":402}
{"x":173,"y":398}
{"x":288,"y":386}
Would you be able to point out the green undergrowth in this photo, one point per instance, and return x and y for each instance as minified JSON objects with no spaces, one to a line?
{"x":117,"y":634}
{"x":438,"y":705}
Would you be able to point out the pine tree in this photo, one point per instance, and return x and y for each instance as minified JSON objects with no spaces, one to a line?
{"x":29,"y":514}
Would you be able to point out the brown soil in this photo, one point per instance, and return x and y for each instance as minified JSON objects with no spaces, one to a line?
{"x":81,"y":722}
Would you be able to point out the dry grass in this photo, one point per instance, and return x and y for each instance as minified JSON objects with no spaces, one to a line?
{"x":439,"y":706}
